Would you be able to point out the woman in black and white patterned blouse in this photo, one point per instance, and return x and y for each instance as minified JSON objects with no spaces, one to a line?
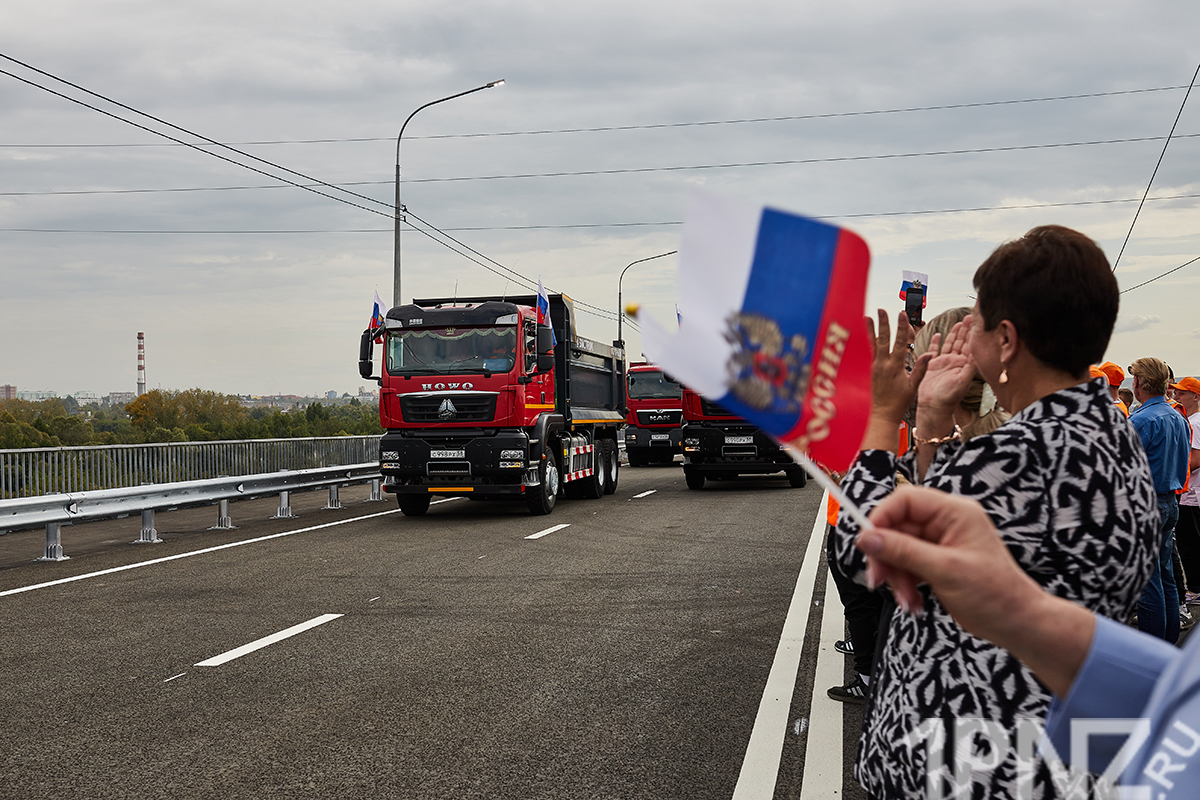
{"x":1065,"y":481}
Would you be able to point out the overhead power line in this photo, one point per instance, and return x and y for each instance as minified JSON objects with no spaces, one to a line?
{"x":1165,"y":274}
{"x":196,"y":147}
{"x":631,"y":170}
{"x":1156,"y":166}
{"x":430,"y":231}
{"x":191,"y":145}
{"x":586,"y":225}
{"x":660,"y":125}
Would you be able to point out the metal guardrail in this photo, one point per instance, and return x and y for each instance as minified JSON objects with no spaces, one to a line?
{"x":38,"y":471}
{"x":85,"y":466}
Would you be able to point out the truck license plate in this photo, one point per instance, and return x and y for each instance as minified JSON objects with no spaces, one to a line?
{"x":447,"y":453}
{"x":739,"y":440}
{"x":660,"y":437}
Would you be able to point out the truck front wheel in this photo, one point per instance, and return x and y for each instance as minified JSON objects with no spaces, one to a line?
{"x":797,"y":478}
{"x":543,"y":496}
{"x":413,"y":505}
{"x":695,"y":480}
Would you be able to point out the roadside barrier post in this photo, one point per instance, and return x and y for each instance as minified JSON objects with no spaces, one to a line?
{"x":149,"y":534}
{"x":54,"y":551}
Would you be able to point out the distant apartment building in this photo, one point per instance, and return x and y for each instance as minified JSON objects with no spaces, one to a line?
{"x":120,"y":398}
{"x":8,"y":392}
{"x":84,"y":398}
{"x":37,"y":394}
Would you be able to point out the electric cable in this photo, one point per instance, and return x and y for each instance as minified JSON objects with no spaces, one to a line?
{"x":246,"y":166}
{"x":1165,"y":274}
{"x":1156,"y":166}
{"x":652,"y":126}
{"x":187,"y":144}
{"x":177,"y":128}
{"x":590,"y":225}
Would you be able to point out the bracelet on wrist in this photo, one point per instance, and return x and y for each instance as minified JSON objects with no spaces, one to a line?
{"x":954,"y":434}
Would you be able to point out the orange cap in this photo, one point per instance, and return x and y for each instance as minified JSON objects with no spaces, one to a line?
{"x":1097,"y":372}
{"x":1115,"y":374}
{"x":1187,"y":385}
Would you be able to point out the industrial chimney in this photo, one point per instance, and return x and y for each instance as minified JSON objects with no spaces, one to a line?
{"x":141,"y":376}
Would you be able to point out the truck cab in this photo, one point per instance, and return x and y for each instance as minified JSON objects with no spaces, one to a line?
{"x":654,"y":417}
{"x":720,"y":445}
{"x":480,"y":399}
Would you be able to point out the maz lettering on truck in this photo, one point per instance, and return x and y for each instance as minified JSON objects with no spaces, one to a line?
{"x":437,"y":387}
{"x":823,"y":387}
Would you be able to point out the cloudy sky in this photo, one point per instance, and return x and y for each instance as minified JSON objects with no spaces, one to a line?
{"x":936,"y":130}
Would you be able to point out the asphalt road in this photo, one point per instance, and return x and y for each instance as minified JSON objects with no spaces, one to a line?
{"x":622,"y":656}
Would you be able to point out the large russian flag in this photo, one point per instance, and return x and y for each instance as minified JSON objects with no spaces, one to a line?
{"x":772,"y":325}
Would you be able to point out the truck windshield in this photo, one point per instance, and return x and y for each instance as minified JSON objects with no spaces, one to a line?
{"x":652,"y":385}
{"x":451,"y":350}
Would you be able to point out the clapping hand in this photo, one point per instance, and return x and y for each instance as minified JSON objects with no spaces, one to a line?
{"x":950,"y":371}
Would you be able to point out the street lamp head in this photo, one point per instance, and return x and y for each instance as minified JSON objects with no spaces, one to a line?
{"x":496,"y":83}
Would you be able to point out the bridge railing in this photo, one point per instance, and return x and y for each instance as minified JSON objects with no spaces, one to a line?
{"x":38,"y":471}
{"x":56,"y":486}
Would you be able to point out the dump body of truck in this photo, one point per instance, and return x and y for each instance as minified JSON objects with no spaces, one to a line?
{"x":480,"y":400}
{"x":719,"y":445}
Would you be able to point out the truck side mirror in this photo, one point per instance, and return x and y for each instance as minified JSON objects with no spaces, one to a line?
{"x":545,"y":348}
{"x":365,"y":349}
{"x":545,"y":339}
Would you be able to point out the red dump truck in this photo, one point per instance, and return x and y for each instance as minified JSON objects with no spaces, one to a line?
{"x":721,"y":446}
{"x":479,"y":400}
{"x":654,"y":417}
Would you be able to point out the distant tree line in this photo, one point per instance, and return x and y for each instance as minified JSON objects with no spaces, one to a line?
{"x":195,"y":415}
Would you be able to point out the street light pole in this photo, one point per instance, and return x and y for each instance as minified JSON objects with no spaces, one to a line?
{"x":621,"y":308}
{"x":399,"y":209}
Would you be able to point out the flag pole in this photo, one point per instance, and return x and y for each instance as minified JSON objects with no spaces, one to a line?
{"x":827,"y":483}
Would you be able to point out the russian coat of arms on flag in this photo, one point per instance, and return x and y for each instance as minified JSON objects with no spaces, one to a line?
{"x":771,"y":324}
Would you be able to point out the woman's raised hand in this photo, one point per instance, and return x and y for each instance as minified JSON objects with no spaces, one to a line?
{"x":950,"y":371}
{"x":893,"y":387}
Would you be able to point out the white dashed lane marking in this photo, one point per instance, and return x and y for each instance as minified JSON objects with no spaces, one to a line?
{"x":548,"y":531}
{"x":259,"y":644}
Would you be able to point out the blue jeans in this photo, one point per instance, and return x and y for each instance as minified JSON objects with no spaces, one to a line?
{"x":1158,"y":607}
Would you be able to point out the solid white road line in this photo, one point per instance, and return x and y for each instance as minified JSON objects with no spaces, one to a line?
{"x":643,"y":494}
{"x":177,"y":556}
{"x":259,"y":644}
{"x":165,"y":559}
{"x":823,"y":748}
{"x":548,"y":531}
{"x":760,"y":769}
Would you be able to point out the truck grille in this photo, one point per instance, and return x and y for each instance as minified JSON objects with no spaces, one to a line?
{"x":659,"y":417}
{"x":711,"y":409}
{"x":460,"y":408}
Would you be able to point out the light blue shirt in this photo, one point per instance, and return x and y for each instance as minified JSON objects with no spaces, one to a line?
{"x":1129,"y":675}
{"x":1166,"y":438}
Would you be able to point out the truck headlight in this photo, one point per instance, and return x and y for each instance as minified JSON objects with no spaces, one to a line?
{"x":511,"y":454}
{"x":389,"y":455}
{"x":512,"y":465}
{"x":692,"y":442}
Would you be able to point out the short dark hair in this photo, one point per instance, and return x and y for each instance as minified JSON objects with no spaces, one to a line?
{"x":1056,"y":287}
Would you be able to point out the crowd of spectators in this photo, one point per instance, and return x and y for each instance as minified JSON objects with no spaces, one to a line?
{"x":1088,"y":483}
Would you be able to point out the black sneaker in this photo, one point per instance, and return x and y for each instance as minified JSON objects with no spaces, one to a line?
{"x":853,"y":692}
{"x":844,"y":646}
